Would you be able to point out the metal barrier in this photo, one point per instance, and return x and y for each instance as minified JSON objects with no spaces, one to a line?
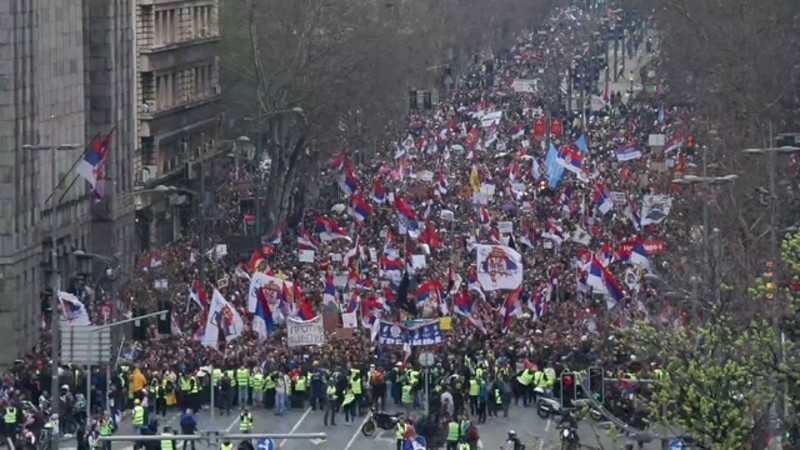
{"x":210,"y":436}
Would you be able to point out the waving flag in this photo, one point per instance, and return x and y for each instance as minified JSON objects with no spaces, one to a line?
{"x":602,"y":199}
{"x":528,"y":237}
{"x":571,"y":160}
{"x":603,"y":281}
{"x":404,"y":209}
{"x":464,"y":306}
{"x":430,"y":292}
{"x":378,"y":194}
{"x":628,"y":152}
{"x":72,"y":310}
{"x":198,"y":295}
{"x":305,"y":242}
{"x":407,"y":218}
{"x":581,"y":144}
{"x":483,"y":215}
{"x":442,"y":185}
{"x":554,"y":232}
{"x":606,"y":254}
{"x":509,"y":308}
{"x":348,"y":182}
{"x":222,"y":316}
{"x":263,"y":322}
{"x":639,"y":255}
{"x":92,"y":167}
{"x":330,"y":294}
{"x":359,"y":209}
{"x":328,"y":230}
{"x":555,"y":170}
{"x":473,"y":284}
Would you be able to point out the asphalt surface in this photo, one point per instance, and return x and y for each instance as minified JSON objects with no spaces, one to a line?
{"x":530,"y":427}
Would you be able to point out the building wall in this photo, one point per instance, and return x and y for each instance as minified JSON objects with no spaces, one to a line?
{"x":42,"y":91}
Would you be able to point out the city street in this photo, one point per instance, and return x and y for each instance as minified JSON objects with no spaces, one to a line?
{"x":348,"y":437}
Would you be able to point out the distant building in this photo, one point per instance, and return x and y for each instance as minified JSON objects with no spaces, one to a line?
{"x":178,"y":112}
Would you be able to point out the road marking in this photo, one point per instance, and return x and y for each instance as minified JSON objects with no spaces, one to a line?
{"x":546,"y":429}
{"x":235,"y":421}
{"x":296,"y":425}
{"x":380,"y":437}
{"x":356,"y":433}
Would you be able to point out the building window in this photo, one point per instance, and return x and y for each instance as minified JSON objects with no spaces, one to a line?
{"x":201,"y":21}
{"x":166,"y":26}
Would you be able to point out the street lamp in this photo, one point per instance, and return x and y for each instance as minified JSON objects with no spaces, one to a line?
{"x":55,"y":338}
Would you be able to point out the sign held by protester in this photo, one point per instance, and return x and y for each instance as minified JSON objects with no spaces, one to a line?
{"x":305,"y":332}
{"x":427,"y":333}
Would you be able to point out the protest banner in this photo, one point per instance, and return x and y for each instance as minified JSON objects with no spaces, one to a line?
{"x":308,"y":332}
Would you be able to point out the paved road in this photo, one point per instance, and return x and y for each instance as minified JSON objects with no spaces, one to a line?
{"x":348,"y":437}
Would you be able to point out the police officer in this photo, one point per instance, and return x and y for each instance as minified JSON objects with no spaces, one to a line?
{"x":225,"y":394}
{"x":453,"y":434}
{"x":317,"y":387}
{"x":243,"y":385}
{"x":400,"y":433}
{"x":226,"y":445}
{"x":138,"y":416}
{"x":106,"y":429}
{"x":168,"y":444}
{"x":10,"y":421}
{"x":332,"y":403}
{"x":246,"y":421}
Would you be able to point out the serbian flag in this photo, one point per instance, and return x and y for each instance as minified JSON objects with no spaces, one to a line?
{"x":509,"y":308}
{"x":359,"y":209}
{"x":404,"y":209}
{"x":340,"y":163}
{"x":554,"y":233}
{"x":474,"y":285}
{"x":464,"y":304}
{"x":483,"y":215}
{"x":430,"y":291}
{"x":602,"y":200}
{"x":628,"y":152}
{"x":639,"y":255}
{"x":606,"y":254}
{"x":378,"y":193}
{"x":528,"y":237}
{"x":430,"y":237}
{"x":330,"y":291}
{"x":199,"y":296}
{"x":348,"y":182}
{"x":603,"y":281}
{"x":304,"y":309}
{"x":305,"y":242}
{"x":92,"y":167}
{"x":571,"y":160}
{"x":328,"y":230}
{"x":442,"y":185}
{"x":263,"y":322}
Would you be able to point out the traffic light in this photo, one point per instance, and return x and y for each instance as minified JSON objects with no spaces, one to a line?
{"x":412,"y":99}
{"x":140,"y":326}
{"x":769,"y":278}
{"x":596,"y":383}
{"x":568,"y":390}
{"x":165,"y":320}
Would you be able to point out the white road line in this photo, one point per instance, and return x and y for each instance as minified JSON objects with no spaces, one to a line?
{"x":235,"y":421}
{"x":546,"y":429}
{"x":296,"y":425}
{"x":356,"y":433}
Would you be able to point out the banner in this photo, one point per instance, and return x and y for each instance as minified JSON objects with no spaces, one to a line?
{"x":655,"y":209}
{"x":429,"y":333}
{"x":308,"y":332}
{"x":652,"y":247}
{"x":273,"y":290}
{"x":499,"y":267}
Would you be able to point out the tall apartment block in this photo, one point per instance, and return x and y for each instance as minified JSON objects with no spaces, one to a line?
{"x":63,"y":78}
{"x":178,"y":96}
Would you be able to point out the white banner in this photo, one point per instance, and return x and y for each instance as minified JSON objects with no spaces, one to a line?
{"x":273,"y":290}
{"x":309,"y":332}
{"x":349,"y":320}
{"x":499,"y":267}
{"x":655,"y":209}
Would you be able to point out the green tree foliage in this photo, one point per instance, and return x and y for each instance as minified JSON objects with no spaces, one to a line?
{"x":725,"y":376}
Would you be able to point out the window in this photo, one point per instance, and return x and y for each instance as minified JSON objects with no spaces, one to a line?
{"x":201,"y":21}
{"x":166,"y":26}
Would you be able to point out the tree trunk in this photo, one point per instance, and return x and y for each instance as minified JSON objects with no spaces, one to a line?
{"x":287,"y":150}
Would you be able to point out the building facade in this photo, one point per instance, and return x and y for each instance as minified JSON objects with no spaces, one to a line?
{"x":178,"y":116}
{"x":53,"y":92}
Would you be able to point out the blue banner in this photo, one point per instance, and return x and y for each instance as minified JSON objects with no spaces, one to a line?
{"x":428,"y":333}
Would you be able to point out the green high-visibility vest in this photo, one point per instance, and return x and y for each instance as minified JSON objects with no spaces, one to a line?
{"x":167,"y":444}
{"x":453,"y":432}
{"x":474,"y":388}
{"x":243,"y":377}
{"x":138,"y":415}
{"x":406,"y":397}
{"x":11,"y":415}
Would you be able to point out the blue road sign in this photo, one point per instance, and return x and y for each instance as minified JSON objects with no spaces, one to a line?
{"x":266,"y":444}
{"x":677,"y":444}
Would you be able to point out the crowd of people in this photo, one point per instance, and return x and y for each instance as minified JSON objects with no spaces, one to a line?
{"x":585,"y":201}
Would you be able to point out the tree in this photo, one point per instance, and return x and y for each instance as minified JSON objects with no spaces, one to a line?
{"x":726,"y":375}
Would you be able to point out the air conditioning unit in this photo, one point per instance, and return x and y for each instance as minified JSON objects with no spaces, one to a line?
{"x":147,"y":173}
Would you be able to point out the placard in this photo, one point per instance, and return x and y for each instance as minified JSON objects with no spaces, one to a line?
{"x":306,"y":256}
{"x":447,"y":215}
{"x":340,"y":280}
{"x":308,"y":332}
{"x":656,"y":140}
{"x":223,"y":282}
{"x":618,"y":198}
{"x":419,"y":261}
{"x":349,"y":320}
{"x":336,"y":257}
{"x":505,"y":227}
{"x":429,"y":333}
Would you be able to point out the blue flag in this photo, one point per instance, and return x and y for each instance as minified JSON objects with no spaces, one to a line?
{"x":555,"y":171}
{"x":581,"y":143}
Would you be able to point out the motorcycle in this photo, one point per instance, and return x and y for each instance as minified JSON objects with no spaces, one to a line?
{"x":546,"y":406}
{"x":381,"y":420}
{"x":569,"y":439}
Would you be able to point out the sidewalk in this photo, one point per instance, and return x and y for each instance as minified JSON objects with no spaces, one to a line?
{"x":635,"y":64}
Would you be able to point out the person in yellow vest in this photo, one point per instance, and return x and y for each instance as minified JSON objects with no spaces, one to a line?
{"x":524,"y":381}
{"x":453,"y":434}
{"x":348,"y":405}
{"x":233,"y":396}
{"x":226,"y":445}
{"x":185,"y":390}
{"x":464,"y":445}
{"x":243,"y":383}
{"x":138,"y":416}
{"x":270,"y":384}
{"x":194,"y":393}
{"x":357,"y":387}
{"x":257,"y":386}
{"x":331,"y":403}
{"x":106,"y":429}
{"x":474,"y":390}
{"x":300,"y":388}
{"x":539,"y":381}
{"x":170,"y":388}
{"x":400,"y":432}
{"x":246,"y":421}
{"x":10,"y":421}
{"x":168,"y":444}
{"x":498,"y":400}
{"x":407,"y":398}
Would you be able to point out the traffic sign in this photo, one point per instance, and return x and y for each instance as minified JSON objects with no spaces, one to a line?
{"x":85,"y":344}
{"x":266,"y":444}
{"x":677,"y":444}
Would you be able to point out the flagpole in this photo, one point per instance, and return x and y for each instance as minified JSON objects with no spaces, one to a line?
{"x":74,"y":165}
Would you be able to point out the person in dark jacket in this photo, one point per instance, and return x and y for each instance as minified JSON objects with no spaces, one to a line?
{"x":188,"y":426}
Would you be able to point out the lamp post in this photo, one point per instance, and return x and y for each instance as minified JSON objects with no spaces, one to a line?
{"x":54,"y":282}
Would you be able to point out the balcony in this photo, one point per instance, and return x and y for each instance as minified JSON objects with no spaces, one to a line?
{"x":178,"y":54}
{"x":153,"y":122}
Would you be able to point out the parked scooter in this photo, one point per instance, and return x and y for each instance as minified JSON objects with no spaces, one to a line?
{"x":382,"y":420}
